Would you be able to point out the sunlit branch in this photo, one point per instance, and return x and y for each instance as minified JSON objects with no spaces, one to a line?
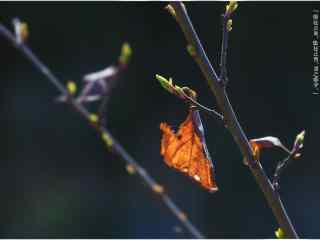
{"x":110,"y":141}
{"x":217,"y":87}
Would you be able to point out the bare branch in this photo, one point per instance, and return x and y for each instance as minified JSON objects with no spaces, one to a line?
{"x":110,"y":141}
{"x":226,"y":28}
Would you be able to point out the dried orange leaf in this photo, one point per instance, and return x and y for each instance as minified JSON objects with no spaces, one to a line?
{"x":186,"y":151}
{"x":258,"y":144}
{"x":256,"y":152}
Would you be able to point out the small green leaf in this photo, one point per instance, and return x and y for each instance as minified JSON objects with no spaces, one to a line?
{"x":166,"y":84}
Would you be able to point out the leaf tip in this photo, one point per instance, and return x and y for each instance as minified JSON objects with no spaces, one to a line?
{"x":301,"y":136}
{"x":298,"y":143}
{"x":166,"y":84}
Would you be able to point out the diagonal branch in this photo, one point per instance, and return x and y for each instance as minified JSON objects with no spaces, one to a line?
{"x":218,"y":90}
{"x":110,"y":141}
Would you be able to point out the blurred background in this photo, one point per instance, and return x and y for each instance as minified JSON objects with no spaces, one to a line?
{"x":58,"y":180}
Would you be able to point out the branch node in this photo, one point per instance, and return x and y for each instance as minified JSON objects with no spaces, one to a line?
{"x":157,"y":188}
{"x":131,"y":169}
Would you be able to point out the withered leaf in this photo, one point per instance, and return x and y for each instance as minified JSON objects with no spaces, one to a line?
{"x":186,"y":151}
{"x":268,"y":142}
{"x":259,"y":144}
{"x":98,"y":84}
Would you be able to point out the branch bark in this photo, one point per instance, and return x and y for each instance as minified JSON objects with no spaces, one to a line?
{"x":217,"y":87}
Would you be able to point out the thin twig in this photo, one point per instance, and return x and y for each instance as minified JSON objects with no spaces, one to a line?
{"x":231,"y":121}
{"x":103,"y":107}
{"x":282,"y":165}
{"x":103,"y":131}
{"x":211,"y":112}
{"x":279,"y":169}
{"x":224,"y":48}
{"x":112,"y":82}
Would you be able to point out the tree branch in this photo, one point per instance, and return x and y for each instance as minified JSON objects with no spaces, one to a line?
{"x":110,"y":141}
{"x":217,"y":88}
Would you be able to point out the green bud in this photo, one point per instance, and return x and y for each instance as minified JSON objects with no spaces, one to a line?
{"x":229,"y":25}
{"x":171,"y":10}
{"x":279,"y":233}
{"x":166,"y":84}
{"x":126,"y":53}
{"x":191,"y":50}
{"x":231,"y":7}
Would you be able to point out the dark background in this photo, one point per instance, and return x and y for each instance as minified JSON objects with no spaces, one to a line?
{"x":58,"y":180}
